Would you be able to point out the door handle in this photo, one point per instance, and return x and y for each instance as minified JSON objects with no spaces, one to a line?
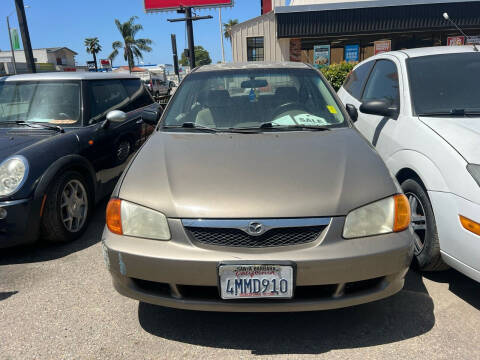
{"x":139,"y":121}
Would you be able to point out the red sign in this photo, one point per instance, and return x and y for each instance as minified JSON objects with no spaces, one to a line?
{"x":455,"y":40}
{"x":382,"y":46}
{"x":164,"y":5}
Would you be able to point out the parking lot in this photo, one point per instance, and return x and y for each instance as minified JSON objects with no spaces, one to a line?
{"x":58,"y":302}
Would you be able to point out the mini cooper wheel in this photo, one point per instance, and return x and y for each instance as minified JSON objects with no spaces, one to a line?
{"x":426,"y":242}
{"x":67,"y":208}
{"x":124,"y":148}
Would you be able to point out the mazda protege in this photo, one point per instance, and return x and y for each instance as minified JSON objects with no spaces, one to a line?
{"x":255,"y":193}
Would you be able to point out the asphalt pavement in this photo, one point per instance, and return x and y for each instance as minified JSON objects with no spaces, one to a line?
{"x":57,"y":302}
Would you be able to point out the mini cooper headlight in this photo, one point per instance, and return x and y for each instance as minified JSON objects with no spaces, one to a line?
{"x":13,"y":172}
{"x":385,"y":216}
{"x":474,"y":170}
{"x":126,"y":218}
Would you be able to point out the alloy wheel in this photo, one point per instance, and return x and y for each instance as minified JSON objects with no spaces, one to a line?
{"x":418,"y":222}
{"x":123,"y":151}
{"x":74,"y":205}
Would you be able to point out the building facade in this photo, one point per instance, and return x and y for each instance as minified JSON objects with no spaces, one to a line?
{"x":319,"y":31}
{"x":46,"y":59}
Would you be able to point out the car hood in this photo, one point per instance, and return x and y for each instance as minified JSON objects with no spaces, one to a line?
{"x":12,"y":140}
{"x":267,"y":175}
{"x":460,"y":132}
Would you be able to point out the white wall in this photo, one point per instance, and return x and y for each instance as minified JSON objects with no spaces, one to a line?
{"x":266,"y":26}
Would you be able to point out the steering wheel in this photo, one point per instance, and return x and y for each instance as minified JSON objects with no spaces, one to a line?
{"x":293,"y":105}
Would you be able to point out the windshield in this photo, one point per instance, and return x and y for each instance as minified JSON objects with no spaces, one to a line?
{"x":445,"y":83}
{"x":48,"y":102}
{"x":249,"y":98}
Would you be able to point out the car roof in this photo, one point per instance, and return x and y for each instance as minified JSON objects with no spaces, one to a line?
{"x":426,"y":51}
{"x":68,"y":76}
{"x":252,"y":65}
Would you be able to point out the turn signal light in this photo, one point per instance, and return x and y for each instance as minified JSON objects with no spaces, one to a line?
{"x":470,"y":225}
{"x":402,"y":213}
{"x":114,"y":216}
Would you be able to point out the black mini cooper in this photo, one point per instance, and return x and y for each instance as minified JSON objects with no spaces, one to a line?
{"x":64,"y":140}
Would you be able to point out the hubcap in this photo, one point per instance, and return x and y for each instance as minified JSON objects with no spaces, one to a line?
{"x":123,"y":150}
{"x":418,"y":222}
{"x":74,"y":205}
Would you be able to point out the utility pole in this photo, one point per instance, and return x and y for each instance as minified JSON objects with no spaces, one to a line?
{"x":27,"y":46}
{"x":11,"y":47}
{"x":221,"y":33}
{"x":189,"y":19}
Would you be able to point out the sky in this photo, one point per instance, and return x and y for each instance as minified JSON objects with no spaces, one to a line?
{"x":57,"y":23}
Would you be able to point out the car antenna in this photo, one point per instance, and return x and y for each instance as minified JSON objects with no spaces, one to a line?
{"x":447,"y":17}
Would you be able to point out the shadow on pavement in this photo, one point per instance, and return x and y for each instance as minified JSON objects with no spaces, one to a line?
{"x":402,"y":316}
{"x":6,"y":295}
{"x":41,"y":251}
{"x":459,"y":284}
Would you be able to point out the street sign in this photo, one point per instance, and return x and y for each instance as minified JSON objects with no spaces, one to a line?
{"x":169,"y":5}
{"x":91,"y":65}
{"x":105,"y":64}
{"x":382,"y":46}
{"x":15,"y":39}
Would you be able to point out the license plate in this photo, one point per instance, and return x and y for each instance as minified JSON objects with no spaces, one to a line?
{"x":256,"y":281}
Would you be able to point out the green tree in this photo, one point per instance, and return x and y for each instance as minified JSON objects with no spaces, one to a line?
{"x":337,"y":73}
{"x":132,"y":48}
{"x":93,"y":47}
{"x":202,"y":57}
{"x":227,"y":28}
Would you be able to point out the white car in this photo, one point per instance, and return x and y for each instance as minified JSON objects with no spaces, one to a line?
{"x":420,"y":109}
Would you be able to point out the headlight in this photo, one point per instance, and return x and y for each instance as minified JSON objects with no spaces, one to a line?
{"x":474,"y":170}
{"x":13,"y":172}
{"x":385,"y":216}
{"x":126,"y":218}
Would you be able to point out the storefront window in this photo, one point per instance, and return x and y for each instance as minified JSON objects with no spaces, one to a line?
{"x":255,"y":49}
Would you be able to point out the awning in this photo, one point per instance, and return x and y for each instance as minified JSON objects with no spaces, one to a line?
{"x":370,"y":20}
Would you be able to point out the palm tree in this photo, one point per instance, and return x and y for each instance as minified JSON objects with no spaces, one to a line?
{"x":227,"y":28}
{"x":132,"y":48}
{"x":93,"y":47}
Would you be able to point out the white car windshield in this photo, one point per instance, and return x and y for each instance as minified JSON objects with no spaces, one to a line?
{"x":250,"y":98}
{"x":445,"y":84}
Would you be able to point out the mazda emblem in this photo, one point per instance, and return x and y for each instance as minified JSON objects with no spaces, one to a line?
{"x":255,"y":228}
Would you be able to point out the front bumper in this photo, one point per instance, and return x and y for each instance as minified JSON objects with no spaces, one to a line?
{"x":330,"y":273}
{"x":20,"y":226}
{"x":460,"y":248}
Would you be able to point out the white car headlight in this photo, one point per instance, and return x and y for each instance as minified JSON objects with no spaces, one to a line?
{"x":385,"y":216}
{"x":474,"y":170}
{"x":13,"y":173}
{"x":126,"y":218}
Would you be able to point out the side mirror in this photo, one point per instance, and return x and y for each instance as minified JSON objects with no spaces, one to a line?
{"x":352,"y":112}
{"x":116,"y":116}
{"x":380,"y":107}
{"x":151,"y":116}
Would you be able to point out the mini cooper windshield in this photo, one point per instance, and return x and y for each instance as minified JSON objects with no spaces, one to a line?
{"x":46,"y":102}
{"x":266,"y":99}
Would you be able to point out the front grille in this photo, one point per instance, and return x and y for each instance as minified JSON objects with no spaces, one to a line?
{"x":271,"y":238}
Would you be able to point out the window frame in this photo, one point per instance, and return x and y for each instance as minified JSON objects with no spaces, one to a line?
{"x":255,"y":57}
{"x":367,"y":77}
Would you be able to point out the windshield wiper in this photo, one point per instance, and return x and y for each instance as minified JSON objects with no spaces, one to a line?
{"x":191,"y":125}
{"x":46,"y":126}
{"x":32,"y":123}
{"x":452,"y":112}
{"x":269,"y":125}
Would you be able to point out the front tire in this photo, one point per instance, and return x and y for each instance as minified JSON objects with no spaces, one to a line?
{"x":67,"y":208}
{"x":427,"y":244}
